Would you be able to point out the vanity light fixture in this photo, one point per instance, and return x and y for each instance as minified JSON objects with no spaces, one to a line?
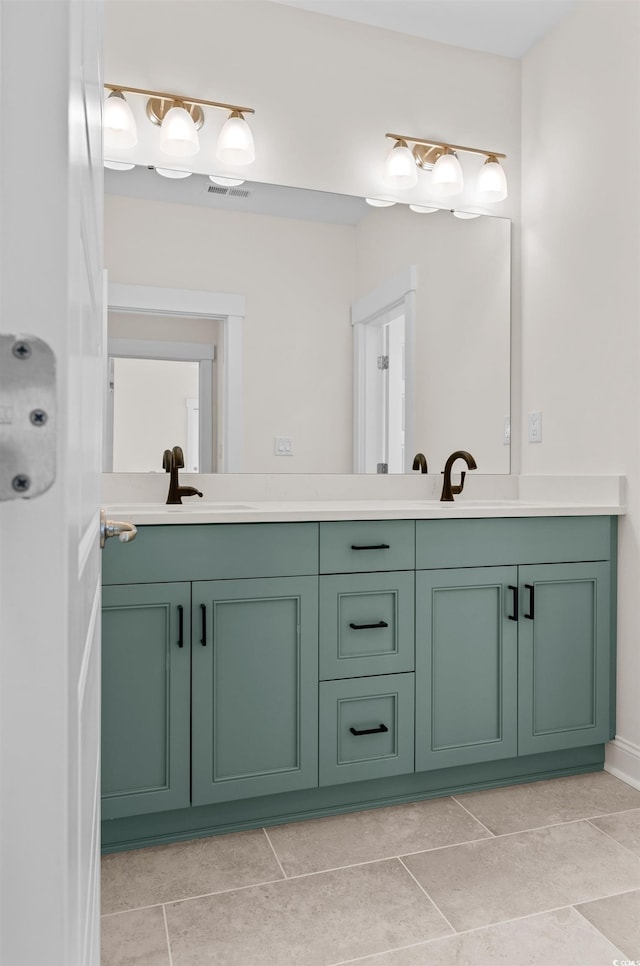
{"x":400,"y":169}
{"x":173,"y":173}
{"x":379,"y":203}
{"x":447,"y":175}
{"x":423,"y":209}
{"x":119,"y":165}
{"x":226,"y":182}
{"x":179,"y":118}
{"x":465,"y":215}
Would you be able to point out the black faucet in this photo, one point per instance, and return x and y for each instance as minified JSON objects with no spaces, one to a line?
{"x":420,"y":463}
{"x":172,"y":461}
{"x":447,"y":489}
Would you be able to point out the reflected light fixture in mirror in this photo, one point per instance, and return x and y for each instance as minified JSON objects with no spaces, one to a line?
{"x":379,"y":203}
{"x":179,"y":118}
{"x":447,"y":173}
{"x":423,"y":209}
{"x":226,"y":182}
{"x":173,"y":173}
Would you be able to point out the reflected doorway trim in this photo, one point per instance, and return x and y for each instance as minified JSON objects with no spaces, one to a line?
{"x":227,"y":308}
{"x":397,"y":294}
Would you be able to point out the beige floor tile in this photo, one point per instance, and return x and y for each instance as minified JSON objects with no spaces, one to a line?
{"x":618,"y":917}
{"x":535,"y":804}
{"x":517,"y":875}
{"x":134,"y":939}
{"x":166,"y":873}
{"x":378,"y":833}
{"x":550,"y":939}
{"x":623,"y":827}
{"x":310,"y":921}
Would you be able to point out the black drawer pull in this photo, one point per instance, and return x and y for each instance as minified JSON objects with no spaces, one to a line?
{"x":366,"y":627}
{"x":532,"y":602}
{"x":203,"y":639}
{"x":180,"y":625}
{"x":370,"y":731}
{"x":514,"y":616}
{"x":377,"y":546}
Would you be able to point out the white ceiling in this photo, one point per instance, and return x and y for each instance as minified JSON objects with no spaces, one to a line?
{"x":506,"y":27}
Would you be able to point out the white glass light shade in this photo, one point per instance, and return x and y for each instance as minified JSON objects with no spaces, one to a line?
{"x":447,"y":177}
{"x":423,"y":209}
{"x":226,"y":182}
{"x":492,"y":181}
{"x":466,"y":215}
{"x":379,"y":203}
{"x":178,"y":135}
{"x":119,"y":165}
{"x":118,"y":123}
{"x":172,"y":173}
{"x":235,"y":141}
{"x":400,"y":167}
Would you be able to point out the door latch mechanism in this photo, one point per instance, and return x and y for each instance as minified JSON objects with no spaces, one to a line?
{"x":27,"y":417}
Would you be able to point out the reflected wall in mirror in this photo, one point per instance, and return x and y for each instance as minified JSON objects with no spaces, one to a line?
{"x":306,"y":263}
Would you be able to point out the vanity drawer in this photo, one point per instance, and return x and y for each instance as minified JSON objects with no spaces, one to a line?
{"x":489,"y":543}
{"x":380,"y":712}
{"x":366,"y":624}
{"x":367,"y":545}
{"x":213,"y":552}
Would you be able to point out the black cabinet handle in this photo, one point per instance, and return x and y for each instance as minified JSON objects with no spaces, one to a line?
{"x":203,"y":611}
{"x":366,"y":627}
{"x":532,"y":601}
{"x":370,"y":731}
{"x":180,"y":625}
{"x":514,"y":616}
{"x":377,"y":546}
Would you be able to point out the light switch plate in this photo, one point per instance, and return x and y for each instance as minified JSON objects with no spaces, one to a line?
{"x":283,"y":446}
{"x":535,"y":427}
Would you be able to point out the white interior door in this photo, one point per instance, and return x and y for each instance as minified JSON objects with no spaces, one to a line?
{"x":51,"y":288}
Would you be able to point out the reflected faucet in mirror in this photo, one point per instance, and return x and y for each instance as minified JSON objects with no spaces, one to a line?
{"x":172,"y":461}
{"x":447,"y":489}
{"x":420,"y":463}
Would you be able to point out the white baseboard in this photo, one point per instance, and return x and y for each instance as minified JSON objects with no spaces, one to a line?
{"x":622,"y":759}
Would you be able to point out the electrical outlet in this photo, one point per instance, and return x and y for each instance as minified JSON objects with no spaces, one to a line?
{"x":535,"y":427}
{"x":506,"y":436}
{"x":283,"y":446}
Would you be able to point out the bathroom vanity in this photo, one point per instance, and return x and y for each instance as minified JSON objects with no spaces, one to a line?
{"x":289,"y":666}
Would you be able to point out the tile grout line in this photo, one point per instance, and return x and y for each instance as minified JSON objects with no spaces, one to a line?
{"x":433,"y":903}
{"x":596,"y":929}
{"x":591,"y":822}
{"x":166,"y":932}
{"x":474,"y":817}
{"x":275,"y":854}
{"x":203,"y":895}
{"x":489,"y":925}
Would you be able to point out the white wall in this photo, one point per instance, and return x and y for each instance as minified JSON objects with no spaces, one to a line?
{"x":581,"y":282}
{"x":325,"y":91}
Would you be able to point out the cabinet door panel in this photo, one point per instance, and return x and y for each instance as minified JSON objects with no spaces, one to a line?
{"x":564,"y":657}
{"x":255,"y":710}
{"x":466,"y":667}
{"x":145,"y":699}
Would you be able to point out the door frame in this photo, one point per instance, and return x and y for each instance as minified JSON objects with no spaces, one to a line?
{"x":395,"y":296}
{"x":229,"y":310}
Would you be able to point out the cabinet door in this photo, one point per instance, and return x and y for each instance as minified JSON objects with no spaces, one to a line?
{"x":145,"y":698}
{"x":255,"y":687}
{"x":466,"y":666}
{"x":564,"y":655}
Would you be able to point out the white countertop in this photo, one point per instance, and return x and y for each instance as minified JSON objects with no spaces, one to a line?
{"x":195,"y":510}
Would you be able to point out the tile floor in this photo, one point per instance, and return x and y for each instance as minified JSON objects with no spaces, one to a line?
{"x":544,"y":874}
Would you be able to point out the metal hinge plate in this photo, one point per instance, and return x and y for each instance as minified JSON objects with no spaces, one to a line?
{"x":383,"y":362}
{"x":27,"y":417}
{"x":382,"y":467}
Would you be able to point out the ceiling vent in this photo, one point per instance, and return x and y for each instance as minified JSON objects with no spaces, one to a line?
{"x":214,"y":189}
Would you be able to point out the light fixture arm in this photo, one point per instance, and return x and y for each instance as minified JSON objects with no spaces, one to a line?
{"x":444,"y":145}
{"x":180,"y":98}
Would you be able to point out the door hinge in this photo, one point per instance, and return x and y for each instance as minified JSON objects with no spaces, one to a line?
{"x":382,"y":468}
{"x":27,"y":417}
{"x":383,"y":362}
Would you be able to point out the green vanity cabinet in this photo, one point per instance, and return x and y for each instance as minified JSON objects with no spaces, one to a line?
{"x":466,"y":666}
{"x":255,"y":687}
{"x":146,"y":680}
{"x":564,"y":656}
